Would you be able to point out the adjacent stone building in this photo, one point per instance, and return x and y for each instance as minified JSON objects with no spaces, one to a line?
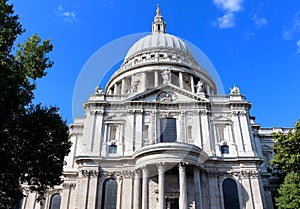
{"x":160,"y":137}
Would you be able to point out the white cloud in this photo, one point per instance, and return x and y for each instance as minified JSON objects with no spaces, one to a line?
{"x":259,"y":21}
{"x":296,"y":22}
{"x":230,"y":7}
{"x":226,"y":21}
{"x":298,"y":47}
{"x":69,"y":16}
{"x":287,"y":34}
{"x":294,"y":28}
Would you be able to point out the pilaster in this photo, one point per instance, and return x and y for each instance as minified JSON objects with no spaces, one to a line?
{"x":205,"y":129}
{"x":197,"y":186}
{"x":138,"y":129}
{"x":129,"y":133}
{"x":97,"y":141}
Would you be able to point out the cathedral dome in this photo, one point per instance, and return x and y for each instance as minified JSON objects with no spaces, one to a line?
{"x":158,"y":40}
{"x":152,"y":56}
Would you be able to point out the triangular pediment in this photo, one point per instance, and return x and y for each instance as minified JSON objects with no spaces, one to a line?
{"x":168,"y":93}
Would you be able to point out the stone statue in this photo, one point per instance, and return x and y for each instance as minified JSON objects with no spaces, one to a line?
{"x":166,"y":75}
{"x":98,"y":90}
{"x":234,"y":90}
{"x":200,"y":88}
{"x":133,"y":88}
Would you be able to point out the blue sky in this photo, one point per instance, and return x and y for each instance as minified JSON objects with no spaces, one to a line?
{"x":254,"y":44}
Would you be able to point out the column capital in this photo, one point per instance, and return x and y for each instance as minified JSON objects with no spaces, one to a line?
{"x":145,"y":171}
{"x":182,"y":165}
{"x":137,"y":173}
{"x":161,"y":165}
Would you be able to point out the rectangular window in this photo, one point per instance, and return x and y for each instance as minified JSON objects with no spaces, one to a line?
{"x":224,"y":149}
{"x":112,"y":149}
{"x":168,"y":130}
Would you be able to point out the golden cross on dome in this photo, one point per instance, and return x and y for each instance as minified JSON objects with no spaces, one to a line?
{"x":158,"y":10}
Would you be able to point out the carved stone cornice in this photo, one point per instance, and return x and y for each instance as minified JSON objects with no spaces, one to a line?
{"x":90,"y":173}
{"x":239,"y":174}
{"x":69,"y":185}
{"x":165,"y":114}
{"x":204,"y":112}
{"x":248,"y":174}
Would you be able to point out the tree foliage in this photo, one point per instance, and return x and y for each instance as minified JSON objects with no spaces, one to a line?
{"x":33,"y":138}
{"x":287,"y":158}
{"x":289,"y":192}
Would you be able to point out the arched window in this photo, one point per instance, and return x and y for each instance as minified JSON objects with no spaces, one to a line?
{"x":55,"y":201}
{"x":230,"y":194}
{"x":109,"y":194}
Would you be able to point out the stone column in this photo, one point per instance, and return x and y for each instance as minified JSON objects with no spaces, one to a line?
{"x":144,"y":79}
{"x":155,"y":78}
{"x":161,"y":186}
{"x":183,"y":200}
{"x":198,"y":198}
{"x":123,"y":87}
{"x":137,"y":189}
{"x":208,"y":89}
{"x":192,"y":84}
{"x":145,"y":189}
{"x":115,"y":89}
{"x":180,"y":80}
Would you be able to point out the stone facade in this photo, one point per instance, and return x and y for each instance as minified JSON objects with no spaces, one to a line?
{"x":159,"y":136}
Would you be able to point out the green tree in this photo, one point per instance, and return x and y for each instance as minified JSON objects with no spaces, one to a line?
{"x":33,"y":138}
{"x":287,"y":158}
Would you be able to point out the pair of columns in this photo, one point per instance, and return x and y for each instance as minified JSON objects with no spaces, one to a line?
{"x":183,"y":199}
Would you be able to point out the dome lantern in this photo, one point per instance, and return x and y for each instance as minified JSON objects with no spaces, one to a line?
{"x":158,"y":25}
